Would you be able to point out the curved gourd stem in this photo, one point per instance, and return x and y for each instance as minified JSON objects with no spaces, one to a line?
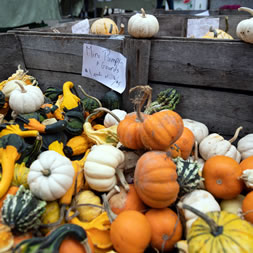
{"x":215,"y":34}
{"x":215,"y":229}
{"x":143,"y":13}
{"x":147,"y":94}
{"x":236,"y":134}
{"x":246,"y":9}
{"x":23,"y":90}
{"x":112,"y":192}
{"x":111,"y":215}
{"x":227,"y":24}
{"x":89,"y":96}
{"x":108,"y":111}
{"x":122,"y":29}
{"x":120,"y":174}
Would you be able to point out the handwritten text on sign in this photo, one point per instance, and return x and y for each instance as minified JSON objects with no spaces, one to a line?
{"x":105,"y":66}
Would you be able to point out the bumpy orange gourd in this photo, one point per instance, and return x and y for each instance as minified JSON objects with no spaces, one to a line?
{"x":166,"y":228}
{"x":130,"y":232}
{"x":184,"y":144}
{"x":155,"y":179}
{"x":222,"y":177}
{"x":126,"y":200}
{"x":129,"y":131}
{"x":161,"y":129}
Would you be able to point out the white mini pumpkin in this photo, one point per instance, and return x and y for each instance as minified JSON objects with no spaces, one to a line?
{"x":142,"y":25}
{"x":109,"y":120}
{"x":101,"y":165}
{"x":11,"y":86}
{"x":201,"y":200}
{"x":50,"y":176}
{"x":26,"y":99}
{"x":244,"y":29}
{"x":245,"y":146}
{"x":215,"y":144}
{"x":199,"y":129}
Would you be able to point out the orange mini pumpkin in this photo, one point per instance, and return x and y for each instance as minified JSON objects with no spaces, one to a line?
{"x":155,"y":179}
{"x":129,"y":131}
{"x":247,"y":171}
{"x":166,"y":228}
{"x":126,"y":200}
{"x":184,"y":145}
{"x":222,"y":177}
{"x":247,"y":207}
{"x":161,"y":129}
{"x":130,"y":232}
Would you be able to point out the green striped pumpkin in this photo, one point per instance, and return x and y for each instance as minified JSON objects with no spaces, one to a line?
{"x":187,"y":175}
{"x":22,"y":211}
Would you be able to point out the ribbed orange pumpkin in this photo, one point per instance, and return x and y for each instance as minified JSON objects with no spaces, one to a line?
{"x":130,"y":232}
{"x":184,"y":144}
{"x":222,"y":177}
{"x":166,"y":228}
{"x":126,"y":200}
{"x":128,"y":131}
{"x":247,"y":207}
{"x":155,"y":179}
{"x":161,"y":129}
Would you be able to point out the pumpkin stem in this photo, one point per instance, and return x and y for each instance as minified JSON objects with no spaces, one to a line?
{"x":140,"y":100}
{"x":143,"y":13}
{"x":46,"y":172}
{"x":120,"y":174}
{"x":89,"y":96}
{"x":215,"y":229}
{"x":246,"y":9}
{"x":86,"y":245}
{"x":122,"y":29}
{"x":227,"y":24}
{"x":23,"y":90}
{"x":108,"y":111}
{"x":214,"y":31}
{"x":112,"y":192}
{"x":196,"y":151}
{"x":236,"y":134}
{"x":111,"y":215}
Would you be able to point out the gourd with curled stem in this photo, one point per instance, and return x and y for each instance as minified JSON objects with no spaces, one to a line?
{"x":244,"y":29}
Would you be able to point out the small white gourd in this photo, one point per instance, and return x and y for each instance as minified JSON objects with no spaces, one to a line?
{"x":201,"y":200}
{"x":233,"y":205}
{"x":142,"y":25}
{"x":101,"y":166}
{"x":11,"y":86}
{"x":245,"y":146}
{"x":50,"y":176}
{"x":199,"y":129}
{"x":244,"y":29}
{"x":215,"y":144}
{"x":109,"y":120}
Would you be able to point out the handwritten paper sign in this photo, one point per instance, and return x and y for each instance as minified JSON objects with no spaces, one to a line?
{"x":105,"y":66}
{"x":196,"y":28}
{"x":82,"y":27}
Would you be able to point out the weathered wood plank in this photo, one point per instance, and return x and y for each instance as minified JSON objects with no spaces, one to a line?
{"x":10,"y":55}
{"x":62,"y":52}
{"x":137,"y":52}
{"x":221,"y":111}
{"x":202,"y":62}
{"x":57,"y":79}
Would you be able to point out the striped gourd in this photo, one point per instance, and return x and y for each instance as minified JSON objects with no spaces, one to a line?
{"x":187,"y":175}
{"x":22,"y":211}
{"x":219,"y":232}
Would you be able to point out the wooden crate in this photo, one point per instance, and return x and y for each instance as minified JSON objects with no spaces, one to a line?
{"x":214,"y":77}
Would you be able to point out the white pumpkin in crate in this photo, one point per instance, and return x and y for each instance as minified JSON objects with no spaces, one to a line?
{"x":214,"y":144}
{"x":199,"y":129}
{"x":142,"y":25}
{"x":110,"y":120}
{"x":245,"y":146}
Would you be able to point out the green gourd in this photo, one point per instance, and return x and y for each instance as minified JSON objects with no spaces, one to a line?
{"x":74,"y":123}
{"x":52,"y":93}
{"x":111,"y":100}
{"x":52,"y":242}
{"x":188,"y":176}
{"x":22,"y":211}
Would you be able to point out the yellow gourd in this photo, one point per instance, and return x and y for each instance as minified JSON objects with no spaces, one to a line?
{"x":88,"y":213}
{"x":20,"y":175}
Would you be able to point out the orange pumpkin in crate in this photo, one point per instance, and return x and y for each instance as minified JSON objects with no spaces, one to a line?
{"x":155,"y":179}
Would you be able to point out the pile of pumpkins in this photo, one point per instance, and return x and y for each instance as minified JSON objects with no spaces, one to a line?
{"x":142,"y":25}
{"x":65,"y":182}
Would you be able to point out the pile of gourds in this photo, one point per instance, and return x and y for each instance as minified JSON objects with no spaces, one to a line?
{"x":79,"y":174}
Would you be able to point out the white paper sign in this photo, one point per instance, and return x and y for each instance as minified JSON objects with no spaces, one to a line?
{"x":81,"y":27}
{"x":196,"y":28}
{"x":105,"y":66}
